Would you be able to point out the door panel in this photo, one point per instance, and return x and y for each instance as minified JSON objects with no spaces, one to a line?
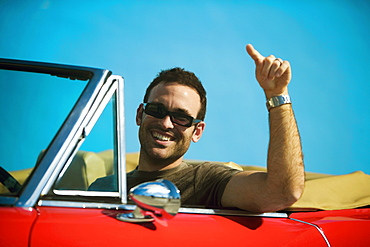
{"x":99,"y":227}
{"x":15,"y":225}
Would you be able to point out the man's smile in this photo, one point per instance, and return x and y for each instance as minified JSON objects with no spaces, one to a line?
{"x":162,"y":137}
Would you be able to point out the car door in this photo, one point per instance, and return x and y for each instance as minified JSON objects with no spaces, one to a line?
{"x":99,"y":227}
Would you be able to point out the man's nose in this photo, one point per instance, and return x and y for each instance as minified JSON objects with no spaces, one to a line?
{"x":167,"y":122}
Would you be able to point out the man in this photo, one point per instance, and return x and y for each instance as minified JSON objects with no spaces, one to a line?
{"x":172,"y":116}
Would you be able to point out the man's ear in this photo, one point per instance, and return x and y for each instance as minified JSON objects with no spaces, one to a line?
{"x":197,"y":134}
{"x":139,"y":114}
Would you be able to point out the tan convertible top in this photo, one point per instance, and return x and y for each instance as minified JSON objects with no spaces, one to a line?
{"x":322,"y":191}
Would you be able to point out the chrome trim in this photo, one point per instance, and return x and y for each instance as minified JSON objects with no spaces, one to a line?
{"x":232,"y":212}
{"x":130,"y":207}
{"x":135,"y":216}
{"x":102,"y":99}
{"x":120,"y":147}
{"x":317,"y":228}
{"x":71,"y":204}
{"x":85,"y":193}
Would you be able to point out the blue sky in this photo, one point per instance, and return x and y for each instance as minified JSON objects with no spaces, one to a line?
{"x":325,"y":41}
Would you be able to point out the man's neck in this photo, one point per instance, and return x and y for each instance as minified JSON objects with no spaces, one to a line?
{"x":151,"y":165}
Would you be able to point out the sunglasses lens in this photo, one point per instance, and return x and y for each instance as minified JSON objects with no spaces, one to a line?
{"x":155,"y":111}
{"x":181,"y":119}
{"x":158,"y":111}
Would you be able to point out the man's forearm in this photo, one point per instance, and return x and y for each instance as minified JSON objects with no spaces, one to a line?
{"x":285,"y":160}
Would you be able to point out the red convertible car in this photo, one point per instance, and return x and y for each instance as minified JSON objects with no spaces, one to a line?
{"x":45,"y":198}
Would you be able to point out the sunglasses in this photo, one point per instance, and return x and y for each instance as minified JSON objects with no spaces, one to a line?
{"x":160,"y":112}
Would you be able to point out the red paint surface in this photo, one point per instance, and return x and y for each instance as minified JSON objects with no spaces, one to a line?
{"x":58,"y":226}
{"x":15,"y":225}
{"x":350,"y":227}
{"x":94,"y":227}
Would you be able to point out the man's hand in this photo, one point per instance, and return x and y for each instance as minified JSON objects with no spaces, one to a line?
{"x":273,"y":74}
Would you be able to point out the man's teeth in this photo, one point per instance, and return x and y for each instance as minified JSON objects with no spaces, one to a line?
{"x":161,"y":137}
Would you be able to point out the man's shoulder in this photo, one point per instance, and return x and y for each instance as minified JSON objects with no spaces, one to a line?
{"x":214,"y":165}
{"x":202,"y":165}
{"x":107,"y":183}
{"x":209,"y":169}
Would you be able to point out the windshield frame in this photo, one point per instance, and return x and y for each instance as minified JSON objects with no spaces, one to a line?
{"x":75,"y":127}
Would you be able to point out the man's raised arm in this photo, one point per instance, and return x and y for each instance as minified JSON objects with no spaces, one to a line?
{"x":283,"y":183}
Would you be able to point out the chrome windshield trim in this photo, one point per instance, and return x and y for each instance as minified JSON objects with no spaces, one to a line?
{"x":120,"y":147}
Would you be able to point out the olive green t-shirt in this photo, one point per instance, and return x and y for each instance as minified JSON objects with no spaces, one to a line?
{"x":199,"y":184}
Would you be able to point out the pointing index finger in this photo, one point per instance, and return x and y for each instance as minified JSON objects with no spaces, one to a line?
{"x":253,"y":53}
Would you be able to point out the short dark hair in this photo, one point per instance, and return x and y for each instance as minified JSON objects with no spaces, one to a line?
{"x":182,"y":77}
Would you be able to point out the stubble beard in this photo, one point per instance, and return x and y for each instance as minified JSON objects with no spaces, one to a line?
{"x":159,"y":155}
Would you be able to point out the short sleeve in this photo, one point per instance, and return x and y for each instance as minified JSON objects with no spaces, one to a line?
{"x":210,"y":182}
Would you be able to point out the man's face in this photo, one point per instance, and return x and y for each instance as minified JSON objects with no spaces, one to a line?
{"x":161,"y":139}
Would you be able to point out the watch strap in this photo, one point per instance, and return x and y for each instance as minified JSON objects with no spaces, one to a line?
{"x":278,"y":101}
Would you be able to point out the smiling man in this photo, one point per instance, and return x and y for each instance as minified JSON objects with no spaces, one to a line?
{"x":166,"y":120}
{"x":172,"y":116}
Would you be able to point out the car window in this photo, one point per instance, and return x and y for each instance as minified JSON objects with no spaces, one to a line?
{"x":33,"y":107}
{"x":92,"y":172}
{"x":94,"y":160}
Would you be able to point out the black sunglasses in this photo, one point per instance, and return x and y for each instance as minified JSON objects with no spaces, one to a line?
{"x":159,"y":111}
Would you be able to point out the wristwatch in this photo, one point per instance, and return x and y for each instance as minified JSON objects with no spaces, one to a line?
{"x":277,"y":101}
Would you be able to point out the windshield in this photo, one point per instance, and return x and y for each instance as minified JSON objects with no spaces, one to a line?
{"x":33,"y":107}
